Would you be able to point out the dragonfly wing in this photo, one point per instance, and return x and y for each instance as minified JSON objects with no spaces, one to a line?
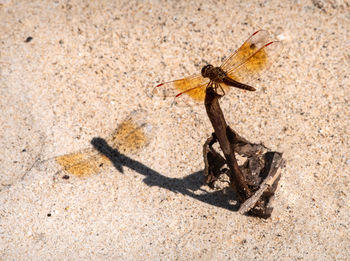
{"x":256,"y":63}
{"x":188,"y":87}
{"x":253,"y":57}
{"x":256,"y":40}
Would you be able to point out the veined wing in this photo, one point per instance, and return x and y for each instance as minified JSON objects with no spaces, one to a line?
{"x":253,"y":57}
{"x":193,"y":87}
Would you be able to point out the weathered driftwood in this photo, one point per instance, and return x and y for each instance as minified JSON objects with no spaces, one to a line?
{"x":255,"y":181}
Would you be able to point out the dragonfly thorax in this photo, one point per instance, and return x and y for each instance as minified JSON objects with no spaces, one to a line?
{"x":215,"y":74}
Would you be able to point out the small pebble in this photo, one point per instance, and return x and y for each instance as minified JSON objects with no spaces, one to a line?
{"x":29,"y":38}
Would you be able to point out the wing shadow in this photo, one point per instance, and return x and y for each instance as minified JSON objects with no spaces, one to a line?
{"x":186,"y":186}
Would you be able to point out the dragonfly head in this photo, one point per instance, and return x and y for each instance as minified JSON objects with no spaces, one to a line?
{"x":206,"y":70}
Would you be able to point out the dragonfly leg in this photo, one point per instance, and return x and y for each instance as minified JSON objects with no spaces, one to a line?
{"x":222,"y":89}
{"x":218,"y":89}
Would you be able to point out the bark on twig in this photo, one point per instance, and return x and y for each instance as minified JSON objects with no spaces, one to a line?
{"x":220,"y":126}
{"x":255,"y":181}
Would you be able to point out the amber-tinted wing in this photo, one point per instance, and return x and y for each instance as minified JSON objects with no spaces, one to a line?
{"x":131,"y":135}
{"x":193,"y":87}
{"x":254,"y":56}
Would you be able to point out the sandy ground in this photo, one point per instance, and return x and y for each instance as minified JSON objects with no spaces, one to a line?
{"x":90,"y":63}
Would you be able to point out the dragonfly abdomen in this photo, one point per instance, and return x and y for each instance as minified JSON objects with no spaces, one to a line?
{"x":231,"y":82}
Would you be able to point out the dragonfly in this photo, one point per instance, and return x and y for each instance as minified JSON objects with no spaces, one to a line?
{"x":131,"y":135}
{"x":254,"y":56}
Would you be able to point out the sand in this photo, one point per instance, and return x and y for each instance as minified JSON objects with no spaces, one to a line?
{"x":89,"y":64}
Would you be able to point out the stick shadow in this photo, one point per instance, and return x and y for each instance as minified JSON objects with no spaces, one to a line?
{"x":186,"y":186}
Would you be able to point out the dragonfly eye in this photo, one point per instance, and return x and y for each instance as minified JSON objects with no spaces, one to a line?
{"x":206,"y":69}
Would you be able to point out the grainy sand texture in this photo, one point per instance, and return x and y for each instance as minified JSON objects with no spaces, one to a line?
{"x":73,"y":71}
